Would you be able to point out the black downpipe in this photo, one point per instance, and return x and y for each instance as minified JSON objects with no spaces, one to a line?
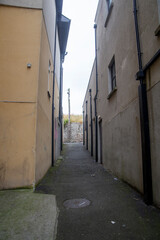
{"x":83,"y":130}
{"x":86,"y":126}
{"x":60,"y":104}
{"x":96,"y":130}
{"x":96,"y":117}
{"x":145,"y":138}
{"x":144,"y":119}
{"x":91,"y":123}
{"x":54,"y":77}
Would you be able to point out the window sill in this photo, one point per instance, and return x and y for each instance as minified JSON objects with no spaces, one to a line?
{"x":108,"y":16}
{"x":111,"y":93}
{"x":157,"y":32}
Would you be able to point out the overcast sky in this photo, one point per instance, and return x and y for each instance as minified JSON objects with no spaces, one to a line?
{"x":81,"y":51}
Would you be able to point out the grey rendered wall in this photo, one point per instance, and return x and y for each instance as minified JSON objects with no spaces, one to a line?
{"x":153,"y":77}
{"x":120,"y":113}
{"x":149,"y":22}
{"x":92,"y":86}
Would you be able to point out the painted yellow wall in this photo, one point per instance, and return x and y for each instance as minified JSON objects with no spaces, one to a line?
{"x":19,"y":45}
{"x":44,"y":109}
{"x":17,"y":141}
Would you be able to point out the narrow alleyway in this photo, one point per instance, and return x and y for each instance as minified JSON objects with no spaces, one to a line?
{"x":115,"y":211}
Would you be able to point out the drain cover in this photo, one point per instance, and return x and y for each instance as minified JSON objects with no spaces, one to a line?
{"x":76,"y":203}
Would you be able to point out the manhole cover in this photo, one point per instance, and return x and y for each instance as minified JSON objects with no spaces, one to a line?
{"x":76,"y":203}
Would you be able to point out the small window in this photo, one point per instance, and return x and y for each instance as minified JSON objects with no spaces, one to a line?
{"x":49,"y":81}
{"x":109,"y":3}
{"x":112,"y":77}
{"x":109,"y":8}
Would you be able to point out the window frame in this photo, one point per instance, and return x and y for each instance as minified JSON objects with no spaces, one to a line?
{"x":109,"y":2}
{"x":112,"y":83}
{"x":109,"y":7}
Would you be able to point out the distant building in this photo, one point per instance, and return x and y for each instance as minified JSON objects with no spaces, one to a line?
{"x":115,"y":112}
{"x":33,"y":40}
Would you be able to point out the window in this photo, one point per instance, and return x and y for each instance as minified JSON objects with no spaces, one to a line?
{"x":112,"y":77}
{"x":109,"y":3}
{"x":109,"y":8}
{"x":49,"y":85}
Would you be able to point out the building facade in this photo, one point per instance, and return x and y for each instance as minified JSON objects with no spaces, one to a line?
{"x":33,"y":40}
{"x":125,"y":85}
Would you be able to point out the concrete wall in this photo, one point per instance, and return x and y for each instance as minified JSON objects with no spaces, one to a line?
{"x":119,"y":112}
{"x":73,"y":133}
{"x":92,"y":86}
{"x":153,"y":78}
{"x":120,"y":117}
{"x":19,"y":46}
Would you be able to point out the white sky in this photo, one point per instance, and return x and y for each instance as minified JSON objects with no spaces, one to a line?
{"x":81,"y":51}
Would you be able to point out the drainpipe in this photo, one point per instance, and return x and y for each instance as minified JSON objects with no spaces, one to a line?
{"x":90,"y":91}
{"x":60,"y":103}
{"x":83,"y":130}
{"x":54,"y":77}
{"x":86,"y":126}
{"x":144,"y":120}
{"x":96,"y":117}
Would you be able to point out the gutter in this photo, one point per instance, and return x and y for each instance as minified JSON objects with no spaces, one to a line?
{"x":144,"y":119}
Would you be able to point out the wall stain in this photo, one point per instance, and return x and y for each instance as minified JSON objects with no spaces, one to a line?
{"x":2,"y":174}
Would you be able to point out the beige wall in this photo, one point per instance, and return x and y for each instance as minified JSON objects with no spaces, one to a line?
{"x":25,"y":105}
{"x":44,"y":108}
{"x":19,"y":45}
{"x":17,"y":141}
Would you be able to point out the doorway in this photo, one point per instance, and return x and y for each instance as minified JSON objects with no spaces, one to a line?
{"x":100,"y":153}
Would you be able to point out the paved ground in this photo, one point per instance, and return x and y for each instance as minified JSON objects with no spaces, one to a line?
{"x":25,"y":215}
{"x":116,"y":211}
